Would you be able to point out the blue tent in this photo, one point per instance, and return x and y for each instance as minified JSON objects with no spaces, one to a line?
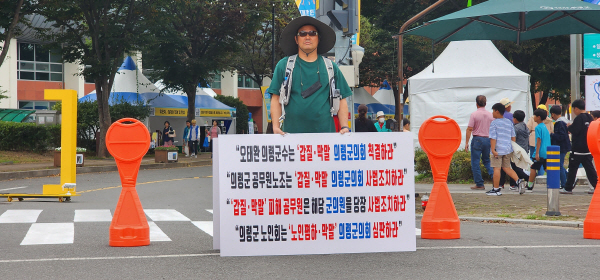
{"x":202,"y":101}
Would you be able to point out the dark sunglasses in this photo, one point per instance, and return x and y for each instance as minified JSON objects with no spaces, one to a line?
{"x":310,"y":33}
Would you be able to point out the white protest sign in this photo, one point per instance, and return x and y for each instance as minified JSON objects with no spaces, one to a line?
{"x":592,"y":93}
{"x":216,"y":206}
{"x":315,"y":193}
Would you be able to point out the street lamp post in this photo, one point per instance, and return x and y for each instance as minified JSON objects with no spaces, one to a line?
{"x":399,"y":101}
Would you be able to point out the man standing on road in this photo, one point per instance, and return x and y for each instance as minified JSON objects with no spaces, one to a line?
{"x":580,"y":153}
{"x":479,"y":126}
{"x":310,"y":101}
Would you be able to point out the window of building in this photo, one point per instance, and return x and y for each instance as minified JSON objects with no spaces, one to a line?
{"x":38,"y":64}
{"x":215,"y":81}
{"x":246,"y":82}
{"x":37,"y":105}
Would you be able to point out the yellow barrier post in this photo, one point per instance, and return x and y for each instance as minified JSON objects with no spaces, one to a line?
{"x":68,"y":144}
{"x":68,"y":141}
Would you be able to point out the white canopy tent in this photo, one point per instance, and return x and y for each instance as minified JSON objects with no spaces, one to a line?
{"x":464,"y":70}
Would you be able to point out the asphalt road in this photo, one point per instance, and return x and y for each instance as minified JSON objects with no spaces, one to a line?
{"x":485,"y":251}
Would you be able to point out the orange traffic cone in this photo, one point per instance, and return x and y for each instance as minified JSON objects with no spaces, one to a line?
{"x":440,"y":139}
{"x":127,"y":141}
{"x":591,"y":224}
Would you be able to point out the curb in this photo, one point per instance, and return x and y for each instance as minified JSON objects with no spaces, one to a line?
{"x":94,"y":169}
{"x":571,"y":224}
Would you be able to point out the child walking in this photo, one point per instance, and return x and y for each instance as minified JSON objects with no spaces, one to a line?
{"x":542,"y":141}
{"x":502,"y":133}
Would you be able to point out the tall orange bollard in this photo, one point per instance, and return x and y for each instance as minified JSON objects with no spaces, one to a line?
{"x":440,"y":139}
{"x":127,"y":141}
{"x":591,"y":224}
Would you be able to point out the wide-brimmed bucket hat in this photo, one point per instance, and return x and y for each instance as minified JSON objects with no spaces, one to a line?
{"x":326,"y":35}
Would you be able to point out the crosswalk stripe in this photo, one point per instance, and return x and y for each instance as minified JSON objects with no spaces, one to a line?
{"x":165,"y":215}
{"x":206,"y":226}
{"x":92,"y":215}
{"x":19,"y":216}
{"x":156,"y":234}
{"x":50,"y":233}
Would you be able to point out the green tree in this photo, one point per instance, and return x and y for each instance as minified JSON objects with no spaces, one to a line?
{"x":195,"y":39}
{"x":97,"y":34}
{"x":12,"y":18}
{"x":88,"y":121}
{"x":382,"y":20}
{"x":241,"y":121}
{"x":256,"y":55}
{"x":547,"y":60}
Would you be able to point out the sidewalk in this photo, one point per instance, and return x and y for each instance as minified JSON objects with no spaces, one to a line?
{"x":44,"y":169}
{"x":511,"y":207}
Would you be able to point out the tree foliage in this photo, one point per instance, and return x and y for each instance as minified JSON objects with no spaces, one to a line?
{"x":545,"y":59}
{"x":88,"y":121}
{"x":241,"y":124}
{"x":256,"y":52}
{"x":12,"y":19}
{"x":382,"y":20}
{"x":97,"y":34}
{"x":194,"y":40}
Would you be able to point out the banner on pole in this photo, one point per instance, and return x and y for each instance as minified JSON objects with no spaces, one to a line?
{"x":592,"y":92}
{"x":315,"y":194}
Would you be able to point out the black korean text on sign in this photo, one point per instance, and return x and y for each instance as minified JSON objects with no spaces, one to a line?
{"x":255,"y":180}
{"x":262,"y":233}
{"x":266,"y":153}
{"x":385,"y":177}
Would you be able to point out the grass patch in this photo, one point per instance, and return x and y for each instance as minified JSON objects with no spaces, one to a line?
{"x":25,"y":157}
{"x":423,"y":179}
{"x":536,"y":217}
{"x":505,"y":215}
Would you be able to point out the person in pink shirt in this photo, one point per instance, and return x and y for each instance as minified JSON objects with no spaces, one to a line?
{"x":214,"y":132}
{"x":479,"y":127}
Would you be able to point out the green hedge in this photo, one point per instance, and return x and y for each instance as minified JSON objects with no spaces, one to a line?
{"x":28,"y":136}
{"x":460,"y":167}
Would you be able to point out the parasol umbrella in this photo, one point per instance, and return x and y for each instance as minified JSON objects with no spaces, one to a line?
{"x":513,"y":20}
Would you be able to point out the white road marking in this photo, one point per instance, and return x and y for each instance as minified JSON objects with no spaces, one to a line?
{"x":110,"y":258}
{"x":206,"y":226}
{"x":417,"y":231}
{"x":93,"y":215}
{"x":209,"y":210}
{"x":165,"y":215}
{"x":156,"y":234}
{"x":50,"y":233}
{"x":15,"y":188}
{"x":19,"y":216}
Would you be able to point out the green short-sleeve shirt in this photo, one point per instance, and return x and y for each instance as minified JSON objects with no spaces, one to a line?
{"x":311,"y":114}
